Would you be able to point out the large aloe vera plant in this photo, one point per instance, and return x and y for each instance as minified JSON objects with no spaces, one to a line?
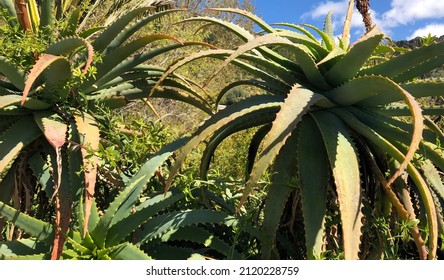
{"x":130,"y":228}
{"x":48,"y":116}
{"x":335,"y":121}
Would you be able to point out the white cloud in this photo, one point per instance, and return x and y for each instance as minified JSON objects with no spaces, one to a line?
{"x":403,"y":12}
{"x":434,"y":29}
{"x":339,"y":9}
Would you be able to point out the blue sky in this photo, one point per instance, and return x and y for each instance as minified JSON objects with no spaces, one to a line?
{"x":399,"y":19}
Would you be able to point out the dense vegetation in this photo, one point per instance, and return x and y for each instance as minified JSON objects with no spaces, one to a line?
{"x":166,"y":130}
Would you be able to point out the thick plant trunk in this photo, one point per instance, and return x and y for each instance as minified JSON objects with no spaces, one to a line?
{"x":363,"y":7}
{"x":22,"y":14}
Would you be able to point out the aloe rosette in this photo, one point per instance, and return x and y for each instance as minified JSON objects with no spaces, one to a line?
{"x":332,"y":116}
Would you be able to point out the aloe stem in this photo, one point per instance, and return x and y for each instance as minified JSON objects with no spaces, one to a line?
{"x":22,"y":14}
{"x":363,"y":7}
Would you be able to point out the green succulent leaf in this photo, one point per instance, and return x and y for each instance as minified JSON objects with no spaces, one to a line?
{"x":284,"y":171}
{"x":38,"y":229}
{"x":344,"y":163}
{"x":313,"y":188}
{"x":159,"y":225}
{"x":22,"y":247}
{"x":14,"y":74}
{"x":298,"y":102}
{"x":122,"y":205}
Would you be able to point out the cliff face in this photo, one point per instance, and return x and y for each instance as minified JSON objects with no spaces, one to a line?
{"x":411,"y":44}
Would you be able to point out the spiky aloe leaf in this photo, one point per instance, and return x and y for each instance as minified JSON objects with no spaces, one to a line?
{"x":433,"y":176}
{"x":110,"y":33}
{"x":40,"y":66}
{"x":22,"y":247}
{"x":13,"y":73}
{"x":389,"y":148}
{"x":47,"y":16}
{"x":128,"y":251}
{"x":42,"y":171}
{"x":224,"y":117}
{"x":131,"y":29}
{"x":145,"y":211}
{"x":115,"y":57}
{"x":66,"y":46}
{"x":284,"y":171}
{"x":353,"y":60}
{"x":30,"y":103}
{"x":313,"y":187}
{"x":417,"y":89}
{"x":7,"y":186}
{"x":40,"y":230}
{"x":55,"y":132}
{"x":260,"y":22}
{"x":303,"y":56}
{"x":297,"y":104}
{"x":328,"y":29}
{"x":251,"y":120}
{"x":159,"y":225}
{"x":88,"y":127}
{"x":122,"y":205}
{"x":406,"y":62}
{"x":344,"y":163}
{"x":201,"y":236}
{"x":72,"y":23}
{"x":14,"y":139}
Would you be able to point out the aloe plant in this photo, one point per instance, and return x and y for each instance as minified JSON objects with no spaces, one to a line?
{"x":333,"y":117}
{"x":56,"y":99}
{"x":130,"y":228}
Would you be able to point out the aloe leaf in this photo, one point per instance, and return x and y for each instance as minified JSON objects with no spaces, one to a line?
{"x":201,"y":236}
{"x":388,"y":147}
{"x":145,"y":211}
{"x":353,"y":60}
{"x":345,"y":167}
{"x":14,"y":74}
{"x":72,"y":23}
{"x":302,"y":53}
{"x":7,"y":186}
{"x":433,"y":176}
{"x":115,"y":57}
{"x":109,"y":34}
{"x":406,"y":61}
{"x":14,"y":139}
{"x":30,"y":103}
{"x":421,"y":69}
{"x":284,"y":170}
{"x":313,"y":187}
{"x":261,"y":23}
{"x":47,"y":16}
{"x":134,"y":61}
{"x":254,"y":147}
{"x":128,"y":251}
{"x":25,"y":257}
{"x":40,"y":66}
{"x":88,"y":127}
{"x":416,"y":89}
{"x":234,"y":28}
{"x":42,"y":171}
{"x":329,"y":30}
{"x":297,"y":104}
{"x":298,"y":28}
{"x":222,"y":54}
{"x":122,"y":205}
{"x":159,"y":225}
{"x":244,"y":107}
{"x":22,"y":247}
{"x":38,"y":229}
{"x":256,"y":118}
